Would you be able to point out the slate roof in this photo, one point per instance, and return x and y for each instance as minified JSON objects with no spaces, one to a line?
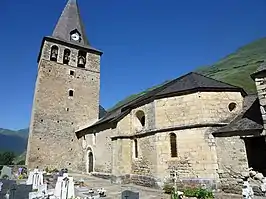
{"x":249,"y":119}
{"x":102,"y":112}
{"x":261,"y":68}
{"x":189,"y":83}
{"x":70,"y":20}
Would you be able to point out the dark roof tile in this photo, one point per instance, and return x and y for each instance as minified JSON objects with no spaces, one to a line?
{"x":249,"y":118}
{"x":261,"y":68}
{"x":193,"y":81}
{"x":190,"y":82}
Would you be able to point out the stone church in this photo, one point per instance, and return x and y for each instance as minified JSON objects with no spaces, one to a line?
{"x":204,"y":130}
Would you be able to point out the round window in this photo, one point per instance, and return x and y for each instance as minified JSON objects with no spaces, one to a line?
{"x":232,"y":106}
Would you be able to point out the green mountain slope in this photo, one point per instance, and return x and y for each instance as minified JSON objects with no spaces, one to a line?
{"x":237,"y":67}
{"x":234,"y":69}
{"x":15,"y":141}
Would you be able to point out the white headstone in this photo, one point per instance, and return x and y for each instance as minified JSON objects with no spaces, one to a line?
{"x":6,"y":172}
{"x":35,"y":179}
{"x":1,"y":184}
{"x":64,"y":188}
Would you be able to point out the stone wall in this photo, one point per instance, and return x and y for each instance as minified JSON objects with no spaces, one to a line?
{"x":56,"y":115}
{"x":101,"y":146}
{"x":121,"y":157}
{"x":197,"y":159}
{"x":196,"y":108}
{"x":261,"y":90}
{"x":232,"y":161}
{"x":196,"y":155}
{"x":146,"y":162}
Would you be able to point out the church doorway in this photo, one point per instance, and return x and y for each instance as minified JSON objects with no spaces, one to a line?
{"x":256,"y":153}
{"x":90,"y":161}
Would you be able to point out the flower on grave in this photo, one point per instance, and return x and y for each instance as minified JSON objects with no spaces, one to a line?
{"x":20,"y":177}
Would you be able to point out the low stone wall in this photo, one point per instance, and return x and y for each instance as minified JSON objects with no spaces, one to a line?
{"x":210,"y":184}
{"x":152,"y":182}
{"x":146,"y":181}
{"x":106,"y":176}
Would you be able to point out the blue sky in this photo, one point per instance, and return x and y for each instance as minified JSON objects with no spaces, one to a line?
{"x":145,"y":42}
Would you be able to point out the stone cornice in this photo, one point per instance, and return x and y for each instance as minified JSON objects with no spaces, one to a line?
{"x":162,"y":130}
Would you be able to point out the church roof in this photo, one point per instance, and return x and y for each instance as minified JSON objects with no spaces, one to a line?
{"x":261,"y":68}
{"x":69,"y":21}
{"x":249,"y":119}
{"x":189,"y":83}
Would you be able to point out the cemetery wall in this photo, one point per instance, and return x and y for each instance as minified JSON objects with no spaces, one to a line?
{"x":232,"y":161}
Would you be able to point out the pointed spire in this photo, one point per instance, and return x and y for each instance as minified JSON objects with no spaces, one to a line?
{"x":70,"y":22}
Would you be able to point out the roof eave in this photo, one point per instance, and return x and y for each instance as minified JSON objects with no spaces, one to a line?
{"x":257,"y":73}
{"x":194,"y":90}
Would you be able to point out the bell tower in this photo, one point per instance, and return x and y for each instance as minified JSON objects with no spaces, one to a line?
{"x":66,"y":94}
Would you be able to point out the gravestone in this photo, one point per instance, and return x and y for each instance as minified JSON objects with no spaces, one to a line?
{"x":130,"y":195}
{"x":1,"y":184}
{"x":6,"y":186}
{"x":6,"y":172}
{"x":35,"y":179}
{"x":64,"y":188}
{"x":20,"y":191}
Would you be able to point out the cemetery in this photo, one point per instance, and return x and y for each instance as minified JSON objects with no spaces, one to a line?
{"x":44,"y":184}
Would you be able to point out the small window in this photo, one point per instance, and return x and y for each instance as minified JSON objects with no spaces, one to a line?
{"x":136,"y":153}
{"x":141,"y":117}
{"x":173,"y":145}
{"x":72,"y":72}
{"x":71,"y":93}
{"x":232,"y":106}
{"x":94,"y":139}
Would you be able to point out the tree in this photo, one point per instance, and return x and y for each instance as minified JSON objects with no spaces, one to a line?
{"x":7,"y":158}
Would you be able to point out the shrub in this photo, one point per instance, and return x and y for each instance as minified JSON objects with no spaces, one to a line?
{"x":198,"y":193}
{"x":168,"y":188}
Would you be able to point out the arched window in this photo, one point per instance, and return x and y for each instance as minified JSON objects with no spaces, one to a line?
{"x":66,"y":57}
{"x":54,"y":53}
{"x":141,"y":117}
{"x":136,"y":152}
{"x":81,"y":59}
{"x":70,"y":93}
{"x":173,"y":145}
